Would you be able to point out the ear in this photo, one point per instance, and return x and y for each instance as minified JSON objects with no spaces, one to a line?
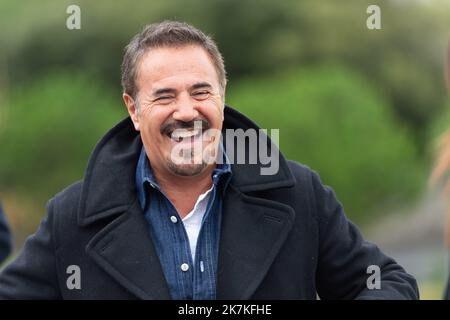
{"x":132,"y":110}
{"x":223,"y":105}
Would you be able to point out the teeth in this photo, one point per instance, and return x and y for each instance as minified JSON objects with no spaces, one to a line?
{"x":182,"y":134}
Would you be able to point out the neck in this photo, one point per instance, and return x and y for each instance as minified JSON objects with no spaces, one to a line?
{"x":184,"y":191}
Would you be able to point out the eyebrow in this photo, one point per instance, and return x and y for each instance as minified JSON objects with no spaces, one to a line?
{"x":201,"y":85}
{"x":163,"y":91}
{"x":173,"y":91}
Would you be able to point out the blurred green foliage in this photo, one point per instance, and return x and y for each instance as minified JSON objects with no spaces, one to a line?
{"x":404,"y":59}
{"x":354,"y":104}
{"x":49,"y":130}
{"x":358,"y":148}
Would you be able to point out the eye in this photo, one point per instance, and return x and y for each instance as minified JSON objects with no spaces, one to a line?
{"x":163,"y":99}
{"x":201,"y":95}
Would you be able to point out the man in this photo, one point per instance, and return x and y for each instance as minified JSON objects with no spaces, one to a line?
{"x":154,"y":218}
{"x":5,"y":237}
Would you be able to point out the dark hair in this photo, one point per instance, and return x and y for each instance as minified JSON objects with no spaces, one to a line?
{"x":167,"y":34}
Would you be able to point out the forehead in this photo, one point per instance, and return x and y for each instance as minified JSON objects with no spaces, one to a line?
{"x":169,"y":66}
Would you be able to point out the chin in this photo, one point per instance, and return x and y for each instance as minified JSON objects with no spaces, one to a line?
{"x":187,"y":170}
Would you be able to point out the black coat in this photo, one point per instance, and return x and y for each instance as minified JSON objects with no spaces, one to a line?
{"x":283,"y":236}
{"x":5,"y":237}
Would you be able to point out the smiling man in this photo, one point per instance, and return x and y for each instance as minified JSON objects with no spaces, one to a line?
{"x":177,"y":86}
{"x":163,"y":212}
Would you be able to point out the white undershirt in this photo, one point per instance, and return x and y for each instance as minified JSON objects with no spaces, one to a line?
{"x":193,"y":220}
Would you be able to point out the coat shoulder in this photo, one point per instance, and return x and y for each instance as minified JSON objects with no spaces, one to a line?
{"x":306,"y":177}
{"x":66,"y":202}
{"x":313,"y":191}
{"x":303,"y":174}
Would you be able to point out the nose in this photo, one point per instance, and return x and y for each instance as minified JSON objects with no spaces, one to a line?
{"x":186,"y":109}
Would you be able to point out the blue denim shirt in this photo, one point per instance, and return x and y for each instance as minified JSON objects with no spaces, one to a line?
{"x":171,"y":240}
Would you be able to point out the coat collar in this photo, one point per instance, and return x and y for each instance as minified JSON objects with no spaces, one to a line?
{"x":252,"y":233}
{"x":109,"y":182}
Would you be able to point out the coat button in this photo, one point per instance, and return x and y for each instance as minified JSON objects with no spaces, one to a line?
{"x":184,"y":267}
{"x":173,"y":219}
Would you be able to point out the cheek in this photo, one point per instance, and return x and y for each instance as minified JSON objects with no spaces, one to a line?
{"x":153,"y":117}
{"x":213,"y":111}
{"x":149,"y":126}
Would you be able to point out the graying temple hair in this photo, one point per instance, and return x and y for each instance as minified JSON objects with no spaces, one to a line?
{"x":167,"y":34}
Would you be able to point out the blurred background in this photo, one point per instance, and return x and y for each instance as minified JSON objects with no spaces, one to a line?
{"x":362,"y":107}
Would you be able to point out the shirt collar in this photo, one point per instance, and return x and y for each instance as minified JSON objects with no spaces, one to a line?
{"x":144,"y":174}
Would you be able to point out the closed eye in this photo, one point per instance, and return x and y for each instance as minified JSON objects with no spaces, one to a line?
{"x":163,"y":99}
{"x":201,"y":95}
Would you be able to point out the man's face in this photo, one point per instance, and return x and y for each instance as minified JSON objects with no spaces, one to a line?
{"x":178,"y":90}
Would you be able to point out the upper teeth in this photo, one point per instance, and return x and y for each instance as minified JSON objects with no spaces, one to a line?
{"x":181,"y":134}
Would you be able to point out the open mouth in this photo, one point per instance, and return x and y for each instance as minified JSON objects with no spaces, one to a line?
{"x":185,"y":135}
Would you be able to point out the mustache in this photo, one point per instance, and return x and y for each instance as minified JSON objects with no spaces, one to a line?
{"x":169,"y":127}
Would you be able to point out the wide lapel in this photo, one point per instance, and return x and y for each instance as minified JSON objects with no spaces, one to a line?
{"x":253,"y":231}
{"x":125,"y":251}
